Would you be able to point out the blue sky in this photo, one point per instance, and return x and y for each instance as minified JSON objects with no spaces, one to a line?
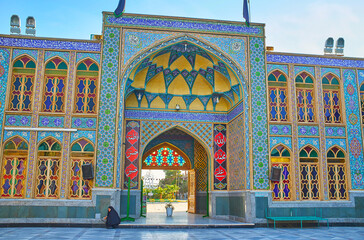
{"x":291,"y":25}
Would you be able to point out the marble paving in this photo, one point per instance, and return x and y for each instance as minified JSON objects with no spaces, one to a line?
{"x":355,"y":233}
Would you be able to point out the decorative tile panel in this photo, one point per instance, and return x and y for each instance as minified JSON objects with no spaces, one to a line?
{"x":236,"y":153}
{"x":50,"y":44}
{"x":308,"y":130}
{"x":259,"y":114}
{"x":19,"y":52}
{"x":183,"y":24}
{"x":354,"y":129}
{"x":272,"y":67}
{"x":65,"y":162}
{"x":220,"y":165}
{"x":18,"y":120}
{"x":90,"y":135}
{"x":335,"y":131}
{"x":10,"y":134}
{"x":330,"y":142}
{"x":4,"y":71}
{"x":107,"y":109}
{"x":50,"y":54}
{"x":325,"y":71}
{"x":56,"y":135}
{"x":87,"y":123}
{"x":280,"y":130}
{"x":299,"y":69}
{"x":46,"y":121}
{"x":310,"y":60}
{"x":274,"y":141}
{"x":360,"y":77}
{"x":132,"y":154}
{"x":303,"y":141}
{"x":201,"y":159}
{"x":82,"y":55}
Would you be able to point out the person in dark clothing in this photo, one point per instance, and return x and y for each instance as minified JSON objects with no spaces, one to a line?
{"x":112,"y":218}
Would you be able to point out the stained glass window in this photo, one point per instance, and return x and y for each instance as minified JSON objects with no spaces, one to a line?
{"x":15,"y":158}
{"x":278,"y":97}
{"x":362,"y":102}
{"x":336,"y":174}
{"x":55,"y":78}
{"x":164,"y":157}
{"x":281,"y":158}
{"x":331,"y":97}
{"x":305,"y":98}
{"x":86,"y":87}
{"x":309,"y":174}
{"x":82,"y":152}
{"x":22,"y":85}
{"x":48,"y":169}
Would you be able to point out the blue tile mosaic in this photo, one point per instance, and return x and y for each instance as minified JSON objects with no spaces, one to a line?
{"x":308,"y":131}
{"x":280,"y":130}
{"x":303,"y":141}
{"x":82,"y":55}
{"x":360,"y":77}
{"x":4,"y":71}
{"x":19,"y":52}
{"x":272,"y":67}
{"x":309,"y":60}
{"x":335,"y":71}
{"x":235,"y":112}
{"x":56,"y":135}
{"x":50,"y":44}
{"x":87,"y":123}
{"x":299,"y":69}
{"x":335,"y":131}
{"x":10,"y":134}
{"x":330,"y":142}
{"x":47,"y":121}
{"x":50,"y":54}
{"x":90,"y":135}
{"x":18,"y":120}
{"x":185,"y":24}
{"x":274,"y":141}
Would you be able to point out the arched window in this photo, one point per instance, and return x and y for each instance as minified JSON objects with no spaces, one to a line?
{"x":86,"y":87}
{"x":82,"y":152}
{"x":305,"y":98}
{"x":362,"y":102}
{"x":309,"y":174}
{"x":337,"y":174}
{"x":55,"y":78}
{"x":281,"y":158}
{"x":331,"y":97}
{"x":15,"y":158}
{"x":278,"y":97}
{"x":22,"y":85}
{"x":48,"y":167}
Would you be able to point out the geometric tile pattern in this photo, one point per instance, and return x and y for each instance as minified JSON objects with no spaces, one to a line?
{"x":280,"y":129}
{"x":274,"y":141}
{"x":335,"y":131}
{"x":10,"y":134}
{"x":335,"y":141}
{"x":236,"y":154}
{"x":56,"y":135}
{"x":360,"y":77}
{"x":19,"y":52}
{"x":354,"y":129}
{"x":273,"y":67}
{"x":81,"y":56}
{"x":88,"y":123}
{"x":259,"y":114}
{"x":315,"y":142}
{"x":201,"y":159}
{"x":183,"y":24}
{"x":308,"y":130}
{"x":50,"y":54}
{"x":107,"y":109}
{"x":4,"y":70}
{"x":90,"y":135}
{"x":299,"y":69}
{"x":18,"y":120}
{"x":335,"y":71}
{"x":51,"y":121}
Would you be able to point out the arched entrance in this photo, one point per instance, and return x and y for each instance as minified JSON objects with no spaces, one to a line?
{"x":175,"y":149}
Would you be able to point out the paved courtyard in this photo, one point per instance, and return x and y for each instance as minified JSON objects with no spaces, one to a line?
{"x":356,"y":233}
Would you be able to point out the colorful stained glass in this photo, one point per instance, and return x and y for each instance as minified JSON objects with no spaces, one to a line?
{"x":14,"y":168}
{"x":21,"y":94}
{"x":280,"y":158}
{"x":305,"y":98}
{"x":331,"y":98}
{"x":336,"y":174}
{"x":164,"y":157}
{"x":49,"y":156}
{"x":82,"y":153}
{"x":278,"y":101}
{"x":309,"y":174}
{"x":86,"y":87}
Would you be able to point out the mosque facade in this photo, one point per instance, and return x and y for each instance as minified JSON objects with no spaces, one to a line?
{"x":159,"y":92}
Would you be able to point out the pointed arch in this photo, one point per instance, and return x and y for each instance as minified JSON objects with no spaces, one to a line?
{"x":278,"y":96}
{"x":337,"y":175}
{"x":166,"y":156}
{"x":331,"y":90}
{"x":14,"y":169}
{"x":309,"y":173}
{"x":305,"y":97}
{"x":47,"y":183}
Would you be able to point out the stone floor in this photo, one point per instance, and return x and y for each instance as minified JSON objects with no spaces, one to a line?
{"x":355,"y":233}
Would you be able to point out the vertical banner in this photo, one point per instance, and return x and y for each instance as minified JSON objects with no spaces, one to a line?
{"x":220,"y":172}
{"x":132,"y":142}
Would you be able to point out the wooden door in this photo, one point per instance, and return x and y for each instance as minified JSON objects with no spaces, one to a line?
{"x":191,"y":191}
